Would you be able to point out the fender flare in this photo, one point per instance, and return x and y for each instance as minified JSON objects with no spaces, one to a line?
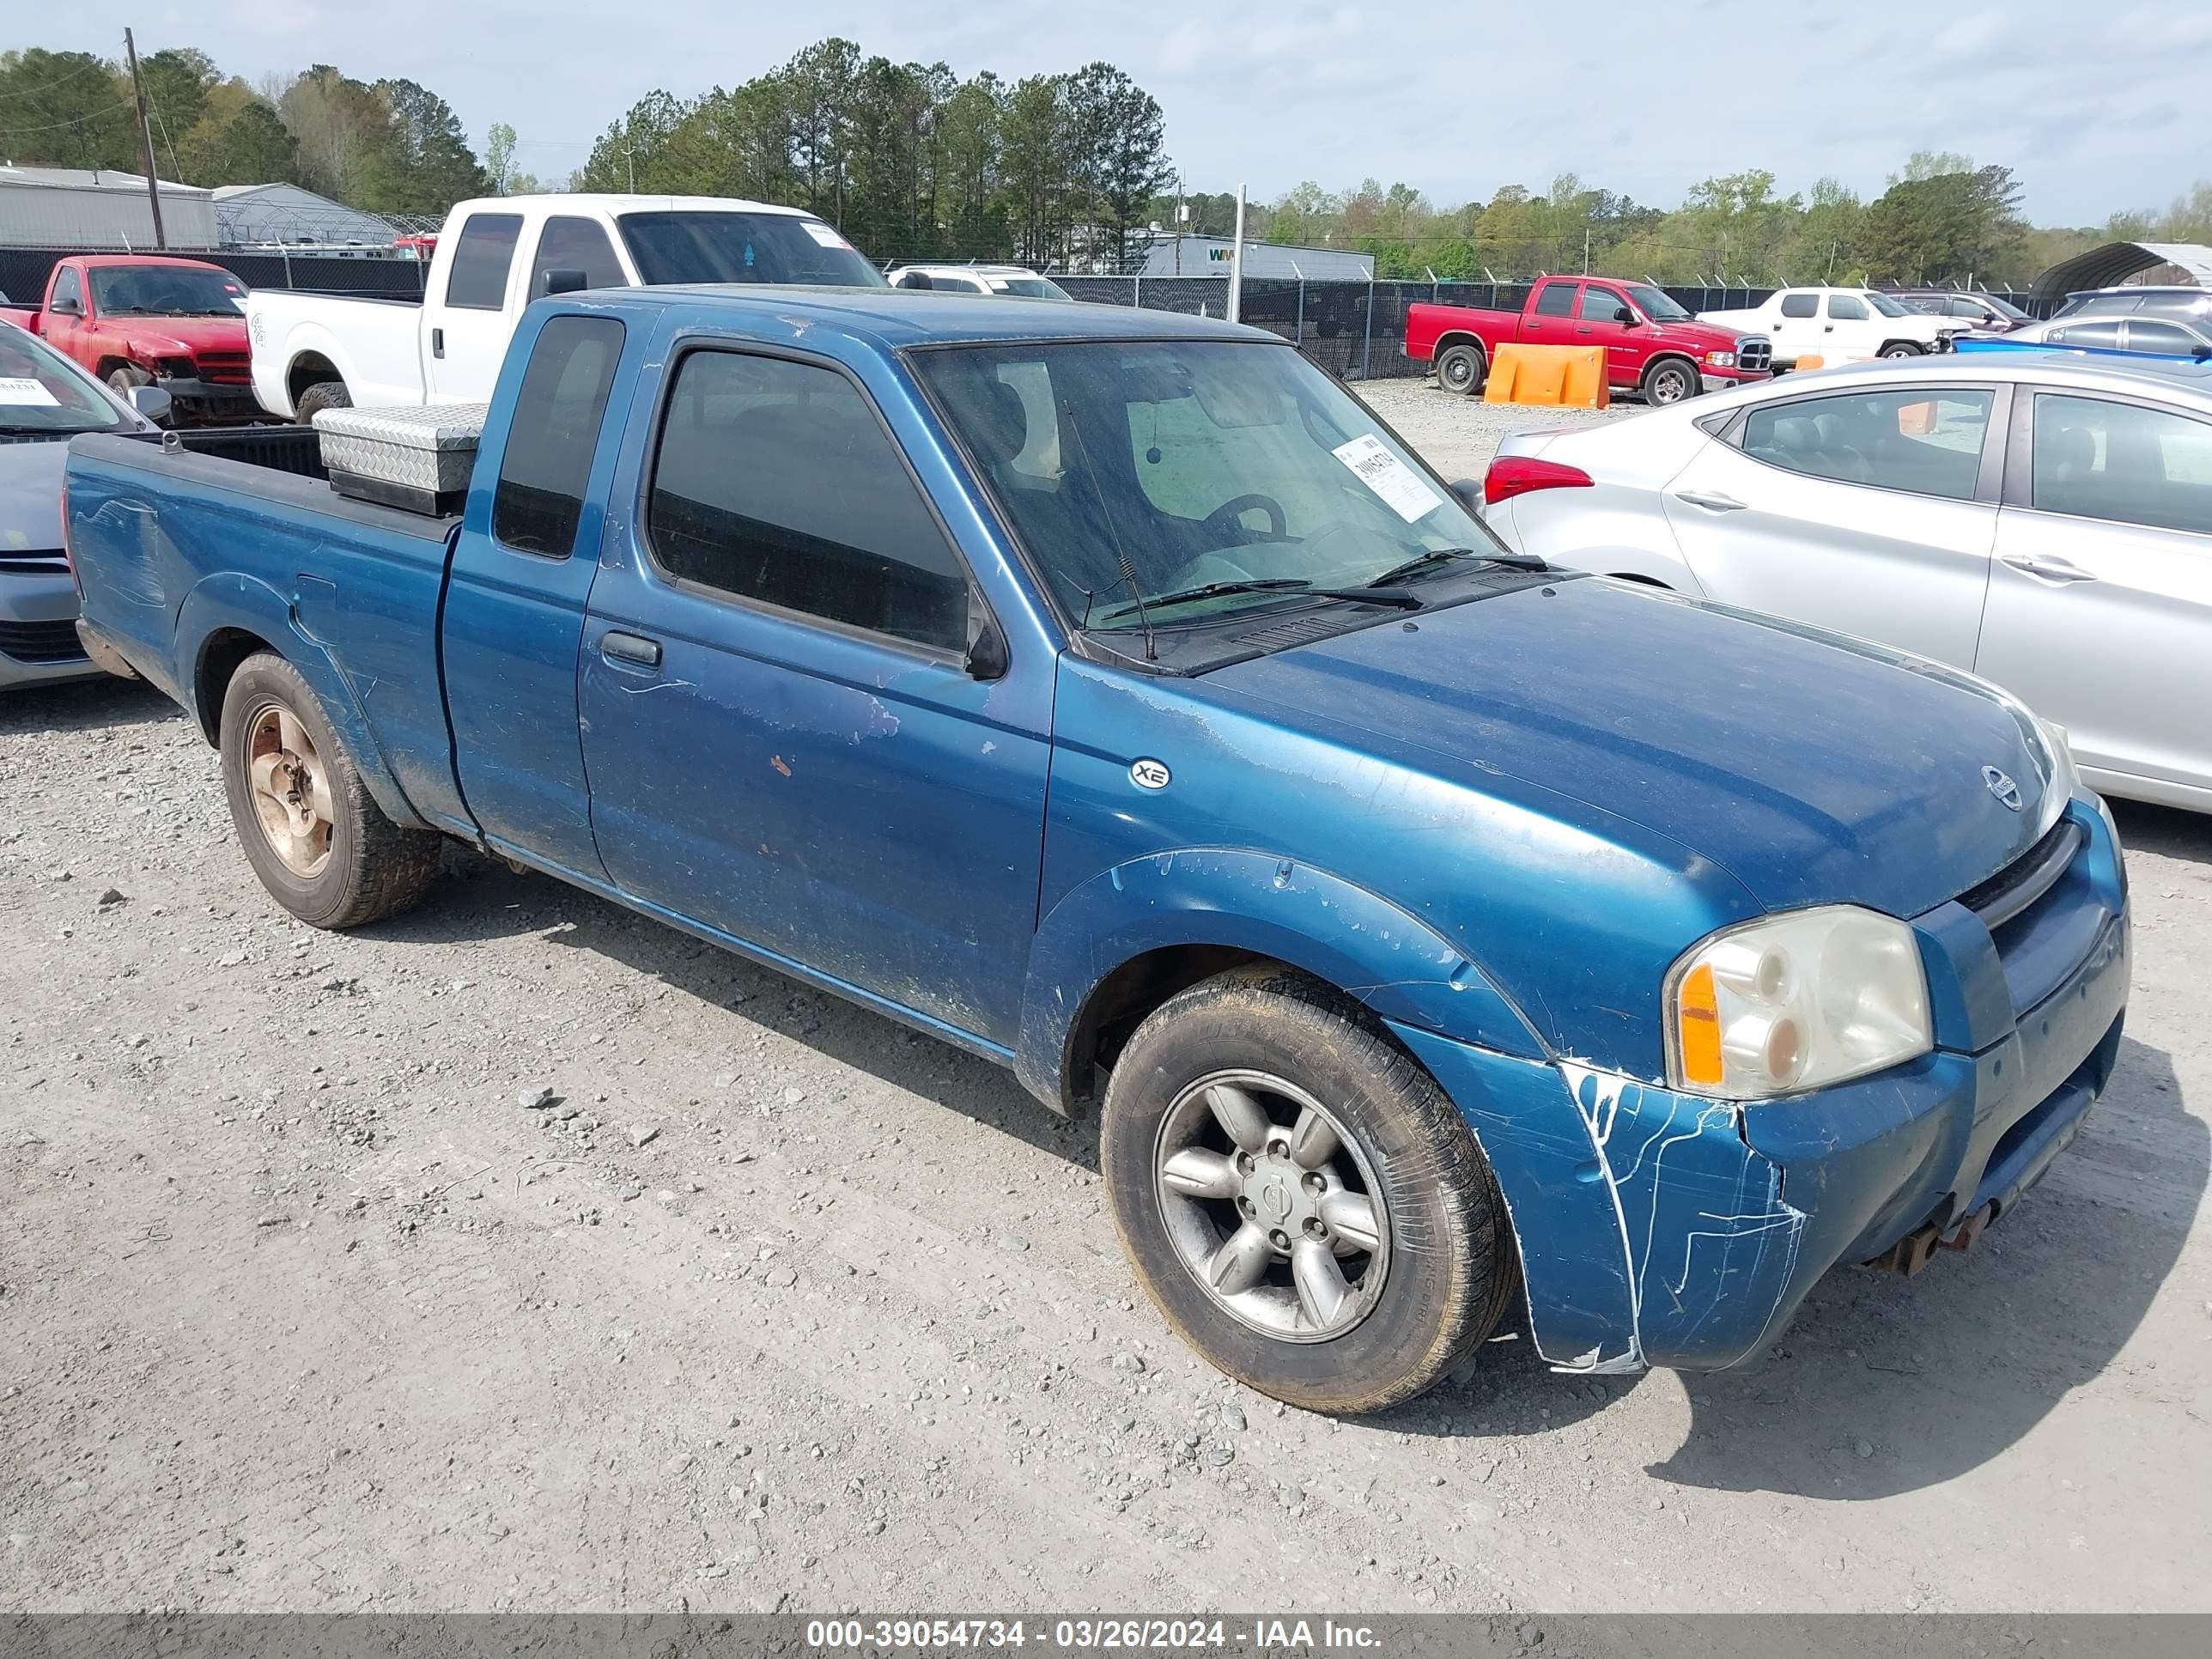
{"x":318,"y":340}
{"x":231,"y":600}
{"x":1271,"y":905}
{"x":1452,"y":336}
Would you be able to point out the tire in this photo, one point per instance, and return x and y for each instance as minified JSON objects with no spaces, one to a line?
{"x":368,"y":867}
{"x":1439,"y":1238}
{"x":126,"y":378}
{"x":324,"y":394}
{"x":1669,"y":381}
{"x":1462,"y":368}
{"x":1901,"y":348}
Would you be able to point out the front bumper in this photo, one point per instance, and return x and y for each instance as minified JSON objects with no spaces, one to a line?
{"x":38,"y":631}
{"x":1662,"y":1229}
{"x":209,"y":402}
{"x":1726,"y":380}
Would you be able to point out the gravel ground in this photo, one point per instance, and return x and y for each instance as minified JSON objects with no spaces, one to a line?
{"x":1458,"y":435}
{"x":523,"y":1253}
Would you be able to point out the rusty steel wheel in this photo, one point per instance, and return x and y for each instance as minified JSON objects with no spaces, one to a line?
{"x":291,"y":790}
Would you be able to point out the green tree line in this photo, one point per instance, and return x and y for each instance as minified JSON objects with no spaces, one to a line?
{"x":1942,"y":219}
{"x":389,"y":145}
{"x":908,"y":160}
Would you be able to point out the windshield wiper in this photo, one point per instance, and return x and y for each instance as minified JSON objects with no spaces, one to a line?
{"x":1376,"y":593}
{"x":1413,"y":567}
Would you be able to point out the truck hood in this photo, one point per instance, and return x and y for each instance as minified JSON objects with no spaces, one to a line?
{"x":1693,"y":335}
{"x":184,"y":337}
{"x":1812,"y":768}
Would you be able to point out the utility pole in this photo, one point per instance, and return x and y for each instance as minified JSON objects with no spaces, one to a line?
{"x":1237,"y":262}
{"x":1585,"y":249}
{"x":145,"y":140}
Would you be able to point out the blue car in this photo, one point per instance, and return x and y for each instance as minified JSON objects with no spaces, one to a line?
{"x":1112,"y":695}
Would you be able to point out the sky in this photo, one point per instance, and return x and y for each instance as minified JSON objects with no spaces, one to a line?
{"x":2094,"y":112}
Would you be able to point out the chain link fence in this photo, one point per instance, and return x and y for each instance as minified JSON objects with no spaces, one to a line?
{"x":1357,"y":330}
{"x":24,"y":270}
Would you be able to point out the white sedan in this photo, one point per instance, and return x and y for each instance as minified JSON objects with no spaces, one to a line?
{"x":2041,"y":518}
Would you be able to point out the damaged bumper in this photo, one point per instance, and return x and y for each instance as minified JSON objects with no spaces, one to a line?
{"x":1663,"y":1229}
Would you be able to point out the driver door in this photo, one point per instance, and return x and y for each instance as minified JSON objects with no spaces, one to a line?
{"x":1597,"y":322}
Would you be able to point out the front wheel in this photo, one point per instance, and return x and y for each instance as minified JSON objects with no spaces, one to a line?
{"x":1459,"y":369}
{"x":1299,"y":1198}
{"x":1670,"y":381}
{"x":1900,"y":349}
{"x":311,"y":830}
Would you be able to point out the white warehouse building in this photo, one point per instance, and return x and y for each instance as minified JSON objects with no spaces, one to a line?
{"x":81,"y":208}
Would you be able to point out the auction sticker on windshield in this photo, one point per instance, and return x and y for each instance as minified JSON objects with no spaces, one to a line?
{"x":823,"y":234}
{"x":25,"y":392}
{"x":1398,"y":484}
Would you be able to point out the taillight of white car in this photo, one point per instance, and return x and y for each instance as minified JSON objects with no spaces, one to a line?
{"x":1517,"y":474}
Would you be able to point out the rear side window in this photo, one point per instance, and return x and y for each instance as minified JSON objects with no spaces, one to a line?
{"x":568,"y":243}
{"x":1555,"y":299}
{"x":481,"y":258}
{"x":557,"y":413}
{"x":774,"y":481}
{"x":2101,"y":460}
{"x":1599,"y":305}
{"x":1929,"y":443}
{"x":1845,"y":309}
{"x":1800,"y":304}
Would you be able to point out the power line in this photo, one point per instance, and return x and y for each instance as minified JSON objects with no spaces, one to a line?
{"x":73,"y":121}
{"x":77,"y":74}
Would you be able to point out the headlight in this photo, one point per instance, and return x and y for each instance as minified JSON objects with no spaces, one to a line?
{"x":1794,"y":1002}
{"x":2064,"y":781}
{"x":1721,"y":359}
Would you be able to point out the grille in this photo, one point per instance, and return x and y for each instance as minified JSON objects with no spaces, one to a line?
{"x":225,"y":368}
{"x":1755,"y":351}
{"x":54,"y":564}
{"x":2013,"y":890}
{"x":40,"y":641}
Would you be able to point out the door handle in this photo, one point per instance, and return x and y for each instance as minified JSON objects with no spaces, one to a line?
{"x":437,"y":343}
{"x":2050,"y":569}
{"x":619,"y":646}
{"x":1711,"y":500}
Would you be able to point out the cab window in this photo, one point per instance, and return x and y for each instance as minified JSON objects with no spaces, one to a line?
{"x":2122,"y":462}
{"x":1599,"y":305}
{"x":1800,"y":304}
{"x":1846,"y":309}
{"x":1555,"y":299}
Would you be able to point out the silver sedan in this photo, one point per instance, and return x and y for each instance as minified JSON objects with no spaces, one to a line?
{"x":2040,"y":519}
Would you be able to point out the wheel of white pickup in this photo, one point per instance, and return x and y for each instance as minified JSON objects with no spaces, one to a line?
{"x":1299,"y":1198}
{"x":308,"y":825}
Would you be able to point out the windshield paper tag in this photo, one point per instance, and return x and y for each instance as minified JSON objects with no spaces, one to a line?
{"x":24,"y":393}
{"x":823,"y":234}
{"x":1398,"y":484}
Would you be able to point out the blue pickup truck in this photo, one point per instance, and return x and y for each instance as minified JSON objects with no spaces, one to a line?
{"x":1112,"y":695}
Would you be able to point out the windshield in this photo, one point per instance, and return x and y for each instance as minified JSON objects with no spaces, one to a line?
{"x":167,"y":291}
{"x":1028,"y":287}
{"x":1654,"y":305}
{"x":41,"y":390}
{"x":1884,"y":304}
{"x":1137,"y":468}
{"x":743,"y":247}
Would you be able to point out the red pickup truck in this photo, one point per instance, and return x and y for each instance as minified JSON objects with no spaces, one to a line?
{"x":143,"y":319}
{"x":1652,"y":346}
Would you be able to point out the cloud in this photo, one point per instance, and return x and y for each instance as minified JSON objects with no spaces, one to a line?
{"x":1454,"y":98}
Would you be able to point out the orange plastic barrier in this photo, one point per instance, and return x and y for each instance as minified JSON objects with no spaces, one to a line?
{"x":1565,"y":377}
{"x":1813,"y":359}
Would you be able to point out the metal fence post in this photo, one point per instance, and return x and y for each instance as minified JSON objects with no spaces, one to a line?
{"x":286,"y":249}
{"x":1301,"y":309}
{"x":1137,"y":291}
{"x":1366,"y":345}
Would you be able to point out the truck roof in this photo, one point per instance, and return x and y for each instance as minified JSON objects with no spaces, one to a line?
{"x":619,"y":202}
{"x":891,"y":318}
{"x":104,"y":261}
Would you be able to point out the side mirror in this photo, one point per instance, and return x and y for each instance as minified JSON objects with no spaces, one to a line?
{"x":152,"y":403}
{"x":986,"y":644}
{"x":1623,"y":314}
{"x":561,"y":279}
{"x":66,"y":308}
{"x":1468,"y":493}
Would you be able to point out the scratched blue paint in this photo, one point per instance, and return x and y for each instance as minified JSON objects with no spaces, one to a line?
{"x":1496,"y":829}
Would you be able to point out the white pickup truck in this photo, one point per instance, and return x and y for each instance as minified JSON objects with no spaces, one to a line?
{"x":315,"y":351}
{"x":1840,"y":325}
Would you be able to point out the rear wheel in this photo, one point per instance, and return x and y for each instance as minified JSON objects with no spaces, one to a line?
{"x":312,"y":831}
{"x":1299,"y":1198}
{"x":1459,"y":369}
{"x":324,"y":394}
{"x":1669,"y":381}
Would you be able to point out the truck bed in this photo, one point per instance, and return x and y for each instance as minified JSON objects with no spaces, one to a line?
{"x":235,"y":522}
